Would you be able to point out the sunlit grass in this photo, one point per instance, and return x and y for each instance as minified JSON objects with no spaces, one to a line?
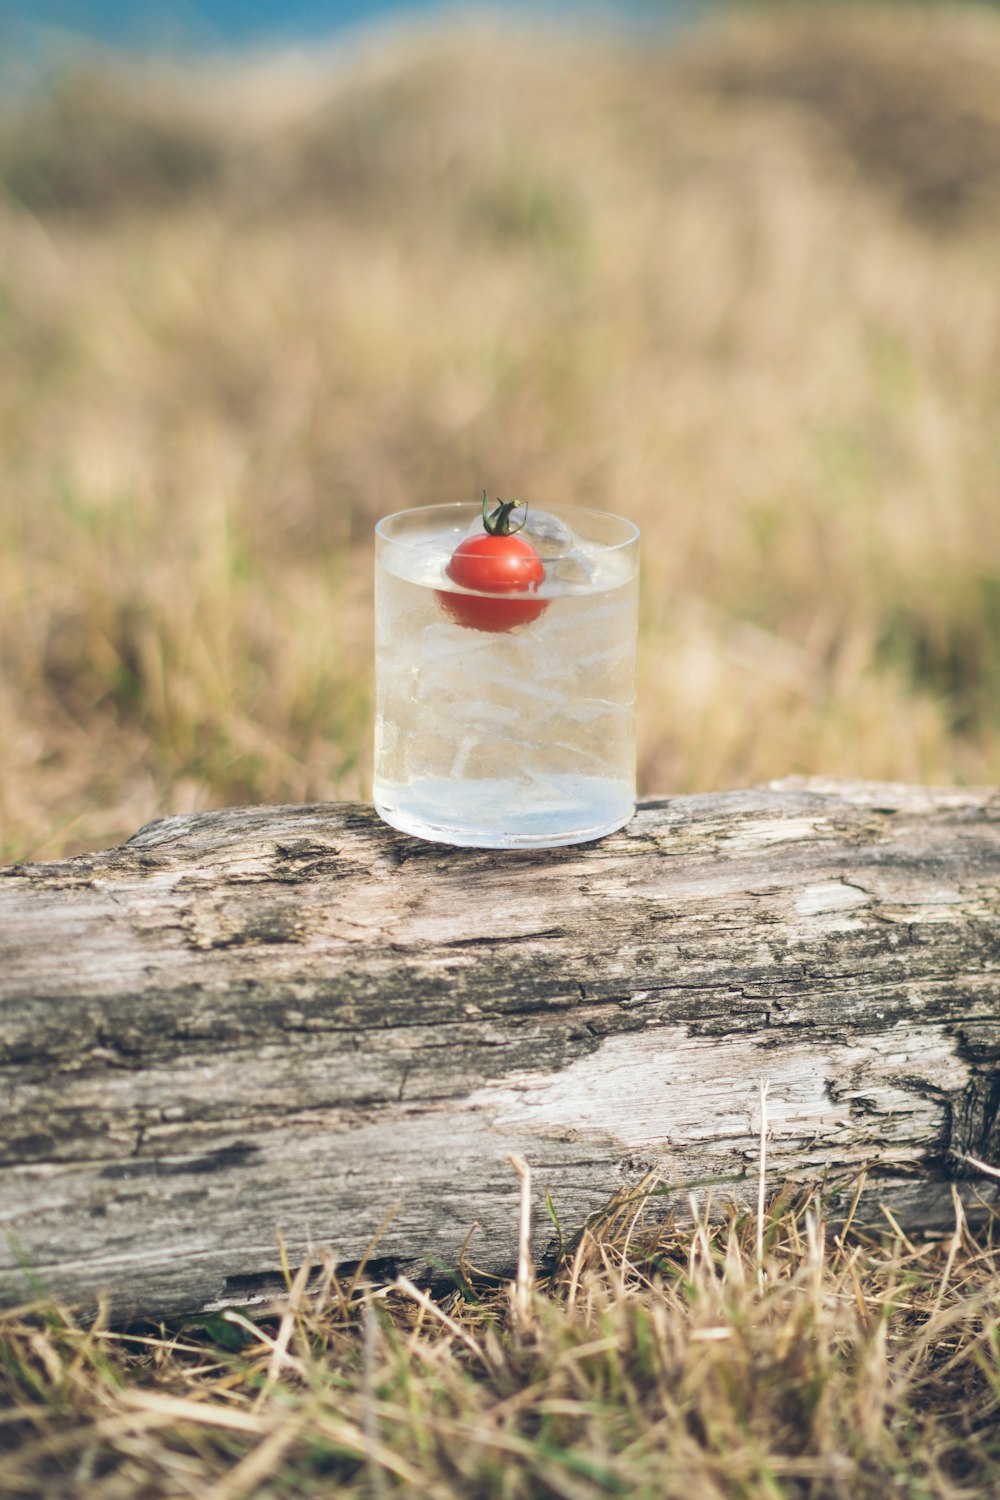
{"x":651,"y":1361}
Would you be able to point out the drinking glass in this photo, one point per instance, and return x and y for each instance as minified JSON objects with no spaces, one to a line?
{"x":503,"y":719}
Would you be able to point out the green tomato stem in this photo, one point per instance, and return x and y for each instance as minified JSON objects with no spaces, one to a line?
{"x":498,"y":523}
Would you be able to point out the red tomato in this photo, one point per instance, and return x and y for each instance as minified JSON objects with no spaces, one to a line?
{"x":497,"y":563}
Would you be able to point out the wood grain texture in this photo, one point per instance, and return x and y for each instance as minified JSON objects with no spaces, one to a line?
{"x":296,"y":1018}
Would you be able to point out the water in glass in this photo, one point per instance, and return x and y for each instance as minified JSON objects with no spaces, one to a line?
{"x":494,"y":738}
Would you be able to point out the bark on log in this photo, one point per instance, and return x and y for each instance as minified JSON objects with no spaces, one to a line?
{"x":297,"y":1018}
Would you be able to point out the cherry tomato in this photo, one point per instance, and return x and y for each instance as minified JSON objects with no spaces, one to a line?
{"x":498,"y":562}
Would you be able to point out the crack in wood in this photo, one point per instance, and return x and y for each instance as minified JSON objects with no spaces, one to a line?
{"x":514,"y":938}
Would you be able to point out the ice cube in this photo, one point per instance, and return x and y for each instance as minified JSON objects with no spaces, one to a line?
{"x":444,"y":642}
{"x":550,"y":537}
{"x":466,"y":746}
{"x":576,"y":569}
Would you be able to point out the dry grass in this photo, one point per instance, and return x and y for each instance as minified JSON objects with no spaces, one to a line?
{"x":661,"y":1363}
{"x":743,"y":290}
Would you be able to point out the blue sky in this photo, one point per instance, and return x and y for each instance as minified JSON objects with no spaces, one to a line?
{"x":212,"y":24}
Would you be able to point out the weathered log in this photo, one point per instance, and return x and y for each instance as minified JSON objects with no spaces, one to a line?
{"x":295,"y":1018}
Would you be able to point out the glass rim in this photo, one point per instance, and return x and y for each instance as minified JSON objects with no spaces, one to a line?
{"x":453,"y":506}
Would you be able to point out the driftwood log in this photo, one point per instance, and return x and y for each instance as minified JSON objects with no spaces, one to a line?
{"x":296,"y":1019}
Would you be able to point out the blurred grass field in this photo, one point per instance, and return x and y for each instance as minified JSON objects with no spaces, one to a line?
{"x":743,"y":286}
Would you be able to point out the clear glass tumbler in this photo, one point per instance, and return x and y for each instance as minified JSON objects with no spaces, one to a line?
{"x":505,"y":716}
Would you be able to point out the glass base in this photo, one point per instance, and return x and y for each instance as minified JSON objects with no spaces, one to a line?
{"x":508,"y":815}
